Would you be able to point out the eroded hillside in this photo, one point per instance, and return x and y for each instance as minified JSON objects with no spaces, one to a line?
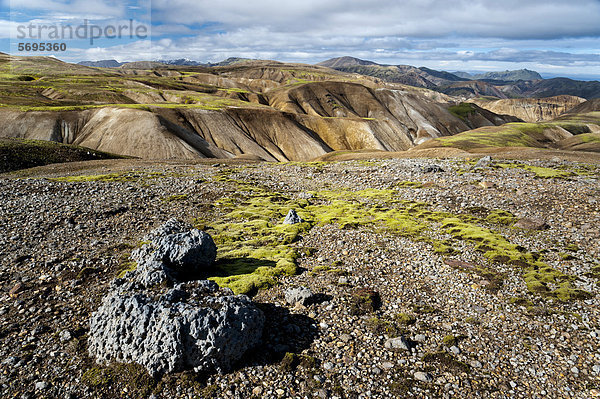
{"x":507,"y":84}
{"x":265,"y":109}
{"x":531,"y":109}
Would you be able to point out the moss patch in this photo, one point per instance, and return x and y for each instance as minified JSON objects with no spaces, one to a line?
{"x":408,"y":184}
{"x":405,"y":319}
{"x":364,"y":301}
{"x":446,"y":361}
{"x":255,"y":247}
{"x":462,"y":110}
{"x":595,"y":272}
{"x":111,"y":177}
{"x":539,"y":277}
{"x":449,"y":340}
{"x":118,"y":378}
{"x":423,"y":309}
{"x":126,"y":267}
{"x":175,"y":198}
{"x":501,"y":217}
{"x":540,"y":172}
{"x":291,"y":361}
{"x":383,"y":326}
{"x":254,"y":244}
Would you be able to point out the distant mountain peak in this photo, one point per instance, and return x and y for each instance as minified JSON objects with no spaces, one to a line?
{"x":510,"y":76}
{"x":101,"y":64}
{"x":506,"y":76}
{"x":345,"y":61}
{"x":228,"y":61}
{"x":181,"y":62}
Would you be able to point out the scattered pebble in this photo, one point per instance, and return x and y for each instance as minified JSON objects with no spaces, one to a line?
{"x":510,"y":339}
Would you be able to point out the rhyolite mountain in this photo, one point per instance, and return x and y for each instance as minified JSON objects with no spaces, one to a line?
{"x":177,"y":62}
{"x":531,"y":109}
{"x":505,"y":84}
{"x":405,"y":74}
{"x":344,"y":62}
{"x":255,"y":109}
{"x":263,"y":109}
{"x":507,"y":76}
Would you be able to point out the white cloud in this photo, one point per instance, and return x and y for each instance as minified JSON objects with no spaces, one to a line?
{"x":419,"y":32}
{"x":435,"y":33}
{"x":69,"y":8}
{"x":514,"y":19}
{"x":7,"y":28}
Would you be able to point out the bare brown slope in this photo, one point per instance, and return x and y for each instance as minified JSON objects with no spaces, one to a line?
{"x":164,"y":133}
{"x":261,"y":109}
{"x":143,"y":134}
{"x":531,"y":109}
{"x":120,"y":131}
{"x":588,"y":106}
{"x":384,"y":119}
{"x":269,"y":134}
{"x":60,"y":127}
{"x":589,"y":142}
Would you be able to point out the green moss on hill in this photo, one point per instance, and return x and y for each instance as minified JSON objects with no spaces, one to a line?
{"x":462,"y":110}
{"x":113,"y":380}
{"x":508,"y":135}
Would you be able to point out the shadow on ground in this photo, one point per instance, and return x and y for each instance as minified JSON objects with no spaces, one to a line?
{"x":237,"y":266}
{"x":283,"y":333}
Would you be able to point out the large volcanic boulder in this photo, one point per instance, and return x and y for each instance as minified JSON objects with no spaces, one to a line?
{"x":152,"y":318}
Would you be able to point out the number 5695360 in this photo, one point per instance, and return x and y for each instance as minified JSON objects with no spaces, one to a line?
{"x":41,"y":46}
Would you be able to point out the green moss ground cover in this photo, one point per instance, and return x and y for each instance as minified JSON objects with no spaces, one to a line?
{"x":112,"y":177}
{"x":255,"y":247}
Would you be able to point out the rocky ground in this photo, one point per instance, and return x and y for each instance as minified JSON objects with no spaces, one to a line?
{"x":392,"y":318}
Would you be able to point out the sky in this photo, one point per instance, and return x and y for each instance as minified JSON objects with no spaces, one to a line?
{"x":555,"y":38}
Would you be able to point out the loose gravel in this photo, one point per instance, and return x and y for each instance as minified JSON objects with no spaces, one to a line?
{"x":61,"y":243}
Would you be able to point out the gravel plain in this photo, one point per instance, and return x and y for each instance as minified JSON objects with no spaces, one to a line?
{"x":442,"y":328}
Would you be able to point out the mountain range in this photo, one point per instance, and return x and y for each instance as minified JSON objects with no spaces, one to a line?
{"x":267,"y":110}
{"x":506,"y":76}
{"x":178,"y":62}
{"x":506,"y":84}
{"x":522,"y":83}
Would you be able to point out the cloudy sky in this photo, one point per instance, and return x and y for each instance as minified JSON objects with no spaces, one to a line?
{"x":554,"y":37}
